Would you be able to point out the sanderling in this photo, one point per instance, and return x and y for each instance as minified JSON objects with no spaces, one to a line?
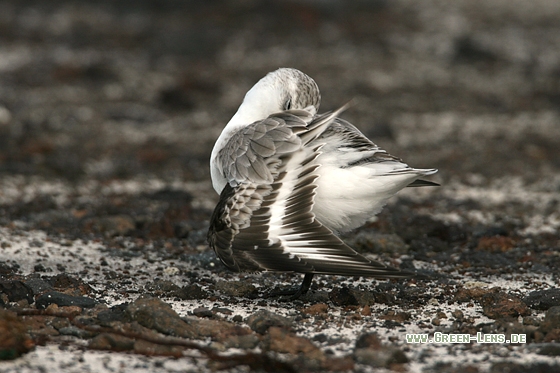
{"x":290,"y":180}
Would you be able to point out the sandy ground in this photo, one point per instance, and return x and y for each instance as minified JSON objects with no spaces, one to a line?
{"x":108,"y":113}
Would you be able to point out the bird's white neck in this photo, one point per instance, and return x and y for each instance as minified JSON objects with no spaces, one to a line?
{"x":261,"y":101}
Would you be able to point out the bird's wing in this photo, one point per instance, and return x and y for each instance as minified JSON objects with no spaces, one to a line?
{"x":264,"y":220}
{"x":355,"y":149}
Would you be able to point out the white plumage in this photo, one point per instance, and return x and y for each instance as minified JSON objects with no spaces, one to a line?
{"x":290,"y":179}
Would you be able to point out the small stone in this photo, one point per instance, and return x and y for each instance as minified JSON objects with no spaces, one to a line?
{"x":202,"y":312}
{"x":543,"y":299}
{"x":245,"y":342}
{"x":217,"y":330}
{"x":162,"y":287}
{"x":193,"y":291}
{"x":262,"y":320}
{"x":458,"y":314}
{"x":61,"y":299}
{"x":16,"y":291}
{"x":113,"y":342}
{"x":281,"y":340}
{"x":497,"y":305}
{"x":436,"y":321}
{"x":342,"y":296}
{"x":38,"y":285}
{"x":531,"y":320}
{"x":114,"y":314}
{"x":153,"y":349}
{"x":368,"y":340}
{"x":338,"y":364}
{"x":551,"y":319}
{"x":316,"y":309}
{"x":550,"y":349}
{"x":364,"y":298}
{"x":14,"y":340}
{"x":155,"y":314}
{"x":382,"y":357}
{"x":237,"y":289}
{"x":395,"y":316}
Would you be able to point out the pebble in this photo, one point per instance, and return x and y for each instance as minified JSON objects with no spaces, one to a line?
{"x":155,"y":314}
{"x":551,"y":319}
{"x":543,"y":299}
{"x":262,"y":320}
{"x":497,"y":305}
{"x":237,"y":289}
{"x":61,"y":299}
{"x":283,"y":341}
{"x":14,"y":340}
{"x":343,"y":296}
{"x":370,"y":351}
{"x":16,"y":290}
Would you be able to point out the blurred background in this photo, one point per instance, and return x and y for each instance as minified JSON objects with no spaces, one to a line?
{"x":138,"y":90}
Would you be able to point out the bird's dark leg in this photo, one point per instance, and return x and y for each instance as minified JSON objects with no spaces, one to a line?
{"x":295,"y":293}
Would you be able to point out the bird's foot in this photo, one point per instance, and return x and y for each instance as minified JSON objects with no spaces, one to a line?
{"x":293,"y":293}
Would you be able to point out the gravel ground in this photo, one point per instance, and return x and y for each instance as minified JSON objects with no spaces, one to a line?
{"x":108,"y":113}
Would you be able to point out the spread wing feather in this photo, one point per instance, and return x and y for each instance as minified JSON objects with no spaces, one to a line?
{"x":264,"y":220}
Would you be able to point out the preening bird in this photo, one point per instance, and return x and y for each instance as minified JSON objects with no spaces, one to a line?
{"x":290,"y":180}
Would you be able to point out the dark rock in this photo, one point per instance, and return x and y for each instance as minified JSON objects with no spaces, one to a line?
{"x":202,"y":312}
{"x":75,"y":332}
{"x":383,"y":357}
{"x":245,"y":342}
{"x":343,"y":296}
{"x":67,"y":283}
{"x":6,"y":269}
{"x":316,"y":309}
{"x":551,"y":319}
{"x":262,"y":320}
{"x":14,"y":340}
{"x":61,"y":299}
{"x":217,"y":330}
{"x":543,"y":299}
{"x":162,"y":286}
{"x":550,"y":349}
{"x":497,"y":305}
{"x":370,"y":351}
{"x":150,"y":349}
{"x":283,"y":341}
{"x":368,"y":340}
{"x":193,"y":291}
{"x":458,"y":314}
{"x":511,"y":367}
{"x":16,"y":291}
{"x":155,"y":314}
{"x":531,"y":320}
{"x":364,"y":298}
{"x":114,"y":314}
{"x":38,"y":285}
{"x":463,"y":295}
{"x":237,"y":289}
{"x":399,"y":317}
{"x":113,"y":342}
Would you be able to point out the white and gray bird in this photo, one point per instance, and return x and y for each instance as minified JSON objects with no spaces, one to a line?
{"x":290,"y":180}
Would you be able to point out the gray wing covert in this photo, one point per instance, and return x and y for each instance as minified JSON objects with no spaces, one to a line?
{"x":253,"y":153}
